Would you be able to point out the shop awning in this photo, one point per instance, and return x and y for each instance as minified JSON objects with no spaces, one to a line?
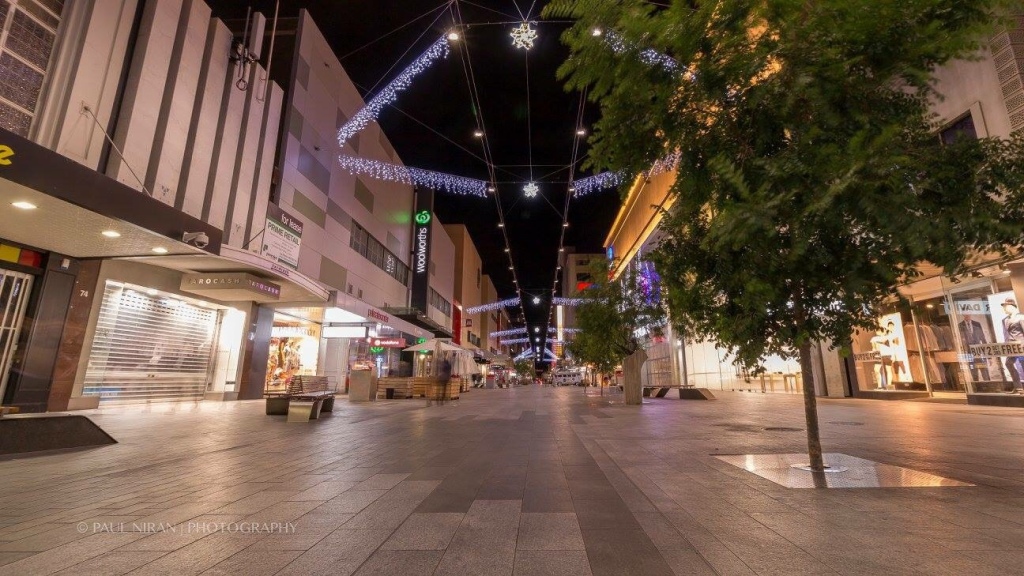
{"x":209,"y":270}
{"x":70,"y":206}
{"x":413,"y":316}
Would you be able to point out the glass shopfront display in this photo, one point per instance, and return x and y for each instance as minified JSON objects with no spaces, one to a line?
{"x":294,"y":349}
{"x":958,"y":336}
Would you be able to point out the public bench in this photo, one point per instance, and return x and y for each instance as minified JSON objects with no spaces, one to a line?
{"x":312,"y":395}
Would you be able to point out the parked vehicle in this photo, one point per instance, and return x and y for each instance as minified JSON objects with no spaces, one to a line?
{"x":568,"y":378}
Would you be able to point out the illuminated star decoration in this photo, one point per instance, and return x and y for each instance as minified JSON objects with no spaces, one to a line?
{"x":530,"y":190}
{"x":523,"y":36}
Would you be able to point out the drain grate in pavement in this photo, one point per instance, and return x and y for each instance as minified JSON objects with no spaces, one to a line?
{"x":782,"y":429}
{"x":846,"y":423}
{"x":847,"y":472}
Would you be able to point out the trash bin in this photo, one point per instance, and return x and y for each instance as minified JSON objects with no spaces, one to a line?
{"x":389,"y":393}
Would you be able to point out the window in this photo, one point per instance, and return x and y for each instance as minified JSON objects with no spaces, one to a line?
{"x":962,"y":128}
{"x":438,"y":302}
{"x":370,"y":248}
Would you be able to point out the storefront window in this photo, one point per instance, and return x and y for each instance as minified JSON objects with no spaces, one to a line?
{"x":935,"y":346}
{"x":890,"y":356}
{"x":990,"y":328}
{"x":294,"y":349}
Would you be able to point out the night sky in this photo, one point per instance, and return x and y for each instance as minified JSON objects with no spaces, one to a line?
{"x":433,"y":124}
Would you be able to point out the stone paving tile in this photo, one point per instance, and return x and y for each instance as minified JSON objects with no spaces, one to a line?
{"x":551,"y":563}
{"x":111,"y":564}
{"x":549,"y":532}
{"x":254,"y":560}
{"x":425,"y":531}
{"x":405,"y":562}
{"x":469,"y":487}
{"x":341,"y":553}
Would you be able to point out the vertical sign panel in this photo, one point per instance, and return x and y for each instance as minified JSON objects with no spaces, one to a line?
{"x":422,"y":220}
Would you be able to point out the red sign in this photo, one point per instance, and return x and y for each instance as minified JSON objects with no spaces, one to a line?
{"x":371,"y":313}
{"x":388,"y":342}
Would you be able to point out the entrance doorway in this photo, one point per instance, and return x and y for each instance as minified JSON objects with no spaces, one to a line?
{"x":14,"y":290}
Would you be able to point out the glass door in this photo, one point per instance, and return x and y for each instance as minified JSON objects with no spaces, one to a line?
{"x":14,"y":290}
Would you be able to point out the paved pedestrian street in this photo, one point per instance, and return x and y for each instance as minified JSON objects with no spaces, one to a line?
{"x":519,"y":481}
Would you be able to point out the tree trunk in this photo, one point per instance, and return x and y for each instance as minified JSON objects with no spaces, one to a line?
{"x":631,"y":372}
{"x":811,"y":409}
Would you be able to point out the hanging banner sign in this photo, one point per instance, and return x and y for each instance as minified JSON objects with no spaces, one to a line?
{"x":282,"y":237}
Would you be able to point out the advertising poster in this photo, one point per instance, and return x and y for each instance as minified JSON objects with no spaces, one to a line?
{"x":282,"y":237}
{"x":891,"y":344}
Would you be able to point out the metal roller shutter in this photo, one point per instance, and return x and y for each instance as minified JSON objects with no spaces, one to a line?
{"x":149,"y":347}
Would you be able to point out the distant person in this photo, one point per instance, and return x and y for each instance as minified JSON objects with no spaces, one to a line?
{"x":444,"y":375}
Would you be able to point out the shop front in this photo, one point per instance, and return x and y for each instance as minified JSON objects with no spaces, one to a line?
{"x":294,"y":350}
{"x":954,"y":338}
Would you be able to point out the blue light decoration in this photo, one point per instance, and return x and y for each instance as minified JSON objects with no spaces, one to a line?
{"x":508,"y":302}
{"x":516,"y":341}
{"x":406,"y":175}
{"x":371,"y":111}
{"x":649,"y":282}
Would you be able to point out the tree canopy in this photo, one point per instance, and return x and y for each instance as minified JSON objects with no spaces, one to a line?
{"x":811,"y":180}
{"x":614,"y":316}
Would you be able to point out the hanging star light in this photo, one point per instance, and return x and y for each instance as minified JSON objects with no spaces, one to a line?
{"x":530,"y":190}
{"x":523,"y":36}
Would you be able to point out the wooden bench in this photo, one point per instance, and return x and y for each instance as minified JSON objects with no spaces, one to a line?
{"x":312,"y":395}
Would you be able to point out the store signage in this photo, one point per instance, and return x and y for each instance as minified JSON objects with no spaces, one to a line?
{"x":282,"y":237}
{"x":421,"y":240}
{"x":230,"y":281}
{"x":293,"y":331}
{"x":469,"y":322}
{"x":970,"y":306}
{"x":344,"y":332}
{"x":867,"y":356}
{"x":388,"y":342}
{"x":997,"y":349}
{"x":377,"y":315}
{"x":5,"y":155}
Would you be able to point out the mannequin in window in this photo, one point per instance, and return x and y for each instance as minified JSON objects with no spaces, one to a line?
{"x":882,"y":344}
{"x":1013,"y":331}
{"x":971,"y":332}
{"x":898,"y":369}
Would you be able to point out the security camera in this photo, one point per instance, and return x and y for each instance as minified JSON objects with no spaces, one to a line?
{"x":200,"y":239}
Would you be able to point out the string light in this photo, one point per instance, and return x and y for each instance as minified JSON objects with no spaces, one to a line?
{"x":648,"y":56}
{"x":406,"y":175}
{"x":523,"y":36}
{"x":510,"y":332}
{"x":508,"y":302}
{"x":604,"y":180}
{"x":516,"y":341}
{"x":597,"y":182}
{"x":557,"y":301}
{"x":389,"y":93}
{"x":530,"y":190}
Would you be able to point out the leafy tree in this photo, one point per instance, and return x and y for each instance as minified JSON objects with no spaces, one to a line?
{"x":525,"y":369}
{"x":810,"y":181}
{"x":613,"y":318}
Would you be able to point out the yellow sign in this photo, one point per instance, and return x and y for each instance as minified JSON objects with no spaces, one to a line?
{"x":5,"y":155}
